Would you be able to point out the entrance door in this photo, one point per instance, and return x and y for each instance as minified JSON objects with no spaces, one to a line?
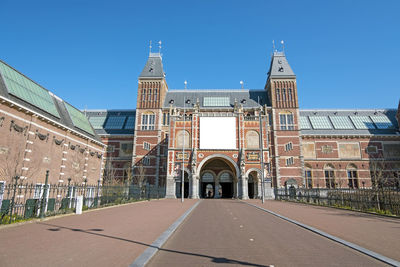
{"x":226,"y":185}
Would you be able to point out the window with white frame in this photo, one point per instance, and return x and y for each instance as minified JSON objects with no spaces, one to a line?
{"x":308,"y":177}
{"x":165,"y":118}
{"x":146,"y":146}
{"x":2,"y":188}
{"x":148,"y":121}
{"x":289,"y":161}
{"x":289,"y":146}
{"x":144,"y":95}
{"x":286,"y":121}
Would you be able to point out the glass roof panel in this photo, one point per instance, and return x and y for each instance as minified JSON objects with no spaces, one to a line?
{"x":115,"y":122}
{"x":213,"y":101}
{"x":320,"y":122}
{"x":79,"y":119}
{"x":341,"y":122}
{"x":382,"y":122}
{"x":25,"y":89}
{"x":362,"y":122}
{"x":97,"y":122}
{"x":304,"y":124}
{"x":130,"y":122}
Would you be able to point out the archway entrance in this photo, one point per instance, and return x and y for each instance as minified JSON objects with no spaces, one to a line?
{"x":185,"y":185}
{"x":253,"y":184}
{"x":218,"y":179}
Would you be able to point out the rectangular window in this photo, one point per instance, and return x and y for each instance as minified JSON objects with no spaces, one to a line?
{"x":146,"y":146}
{"x":284,"y":94}
{"x":278,"y":97}
{"x":329,"y":179}
{"x":149,"y":95}
{"x":2,"y":189}
{"x":110,"y":148}
{"x":289,"y":161}
{"x":155,"y":95}
{"x":148,"y":121}
{"x":286,"y":121}
{"x":144,"y":95}
{"x":290,"y":94}
{"x":308,"y":176}
{"x":146,"y":161}
{"x":289,"y":146}
{"x":352,"y":175}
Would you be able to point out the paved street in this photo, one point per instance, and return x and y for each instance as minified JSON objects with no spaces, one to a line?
{"x":230,"y":232}
{"x":377,"y":233}
{"x":106,"y":237}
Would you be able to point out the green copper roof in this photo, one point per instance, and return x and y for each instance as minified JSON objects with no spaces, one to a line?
{"x":79,"y":119}
{"x":25,"y":89}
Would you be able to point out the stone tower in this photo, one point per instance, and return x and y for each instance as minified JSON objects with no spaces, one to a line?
{"x":287,"y":161}
{"x":149,"y":136}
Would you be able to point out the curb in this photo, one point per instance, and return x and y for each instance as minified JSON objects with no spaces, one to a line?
{"x":149,"y":253}
{"x":365,"y":251}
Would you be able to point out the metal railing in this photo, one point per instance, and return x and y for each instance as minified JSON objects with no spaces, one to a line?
{"x":380,"y":200}
{"x":19,"y":201}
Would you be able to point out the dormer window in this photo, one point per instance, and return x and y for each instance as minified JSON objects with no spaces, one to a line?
{"x":243,"y":101}
{"x":187,"y":101}
{"x":171,"y":101}
{"x":280,"y":69}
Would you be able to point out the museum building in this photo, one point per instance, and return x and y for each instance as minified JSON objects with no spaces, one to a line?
{"x":224,"y":141}
{"x":41,"y":132}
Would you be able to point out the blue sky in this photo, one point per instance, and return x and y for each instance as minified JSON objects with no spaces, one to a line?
{"x":345,"y":53}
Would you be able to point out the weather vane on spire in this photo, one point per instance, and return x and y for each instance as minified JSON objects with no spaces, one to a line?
{"x":150,"y":46}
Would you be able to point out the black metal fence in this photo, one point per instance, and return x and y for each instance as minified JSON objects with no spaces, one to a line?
{"x":383,"y":201}
{"x":20,"y":201}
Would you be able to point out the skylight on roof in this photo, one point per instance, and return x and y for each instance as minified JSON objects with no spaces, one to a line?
{"x":362,"y":122}
{"x":79,"y":119}
{"x":130,"y":123}
{"x":320,"y":122}
{"x":25,"y":89}
{"x":216,"y":101}
{"x":115,"y":122}
{"x":304,"y":124}
{"x":341,"y":122}
{"x":97,"y":122}
{"x":382,"y":122}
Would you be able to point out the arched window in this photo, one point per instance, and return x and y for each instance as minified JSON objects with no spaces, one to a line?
{"x":252,"y":139}
{"x":329,"y":172}
{"x":308,"y":176}
{"x":182,"y":136}
{"x":352,"y":176}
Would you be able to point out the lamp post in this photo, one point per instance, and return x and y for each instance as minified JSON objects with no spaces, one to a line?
{"x":262,"y":158}
{"x":183,"y":145}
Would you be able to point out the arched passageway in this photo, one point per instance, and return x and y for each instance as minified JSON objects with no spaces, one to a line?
{"x":218,"y":179}
{"x":253,"y":184}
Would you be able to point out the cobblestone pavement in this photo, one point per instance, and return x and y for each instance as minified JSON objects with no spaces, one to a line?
{"x":377,"y":233}
{"x":232,"y":233}
{"x":105,"y":237}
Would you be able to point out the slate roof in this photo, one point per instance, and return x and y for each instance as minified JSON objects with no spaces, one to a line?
{"x":247,"y":98}
{"x":64,"y":117}
{"x":351,"y":117}
{"x":280,"y":67}
{"x":112,"y":122}
{"x":153,"y":67}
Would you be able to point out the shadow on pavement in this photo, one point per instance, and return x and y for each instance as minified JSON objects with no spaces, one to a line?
{"x":89,"y":231}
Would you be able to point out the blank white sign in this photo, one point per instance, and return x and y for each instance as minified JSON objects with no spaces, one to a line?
{"x":217,"y":133}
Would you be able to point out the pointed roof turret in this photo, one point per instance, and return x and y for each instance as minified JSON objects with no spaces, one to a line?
{"x":153,"y":67}
{"x":280,"y":67}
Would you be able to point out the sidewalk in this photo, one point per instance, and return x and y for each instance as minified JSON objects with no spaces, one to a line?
{"x":376,"y":233}
{"x":106,"y":237}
